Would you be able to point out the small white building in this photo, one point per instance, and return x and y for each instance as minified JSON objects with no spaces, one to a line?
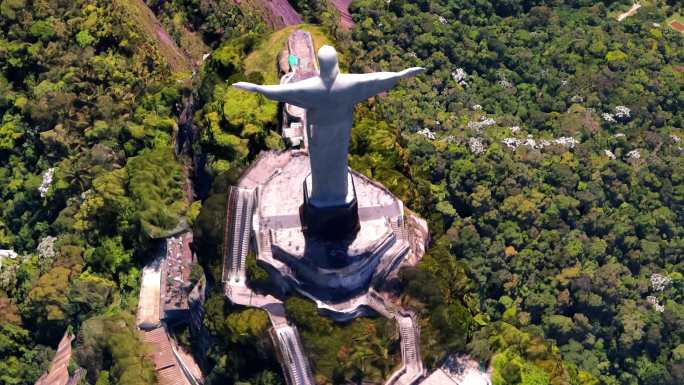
{"x":8,"y":254}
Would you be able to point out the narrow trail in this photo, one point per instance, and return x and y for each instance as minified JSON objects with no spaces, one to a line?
{"x":345,"y":17}
{"x":179,"y":61}
{"x":143,"y":15}
{"x":631,"y":12}
{"x":280,"y":13}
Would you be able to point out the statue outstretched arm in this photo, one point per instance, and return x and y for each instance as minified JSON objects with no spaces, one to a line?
{"x":370,"y":84}
{"x":293,"y":93}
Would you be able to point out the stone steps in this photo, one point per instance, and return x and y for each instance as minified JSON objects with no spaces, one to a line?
{"x":297,"y":364}
{"x":397,"y":225}
{"x":266,"y":250}
{"x":408,"y":341}
{"x":248,"y":207}
{"x":240,"y":210}
{"x":236,"y":220}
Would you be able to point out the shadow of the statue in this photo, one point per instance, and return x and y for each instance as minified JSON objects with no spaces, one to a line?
{"x":328,"y":253}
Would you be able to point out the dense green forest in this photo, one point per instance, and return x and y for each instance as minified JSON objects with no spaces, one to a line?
{"x":88,"y":179}
{"x":544,"y":145}
{"x":577,"y":241}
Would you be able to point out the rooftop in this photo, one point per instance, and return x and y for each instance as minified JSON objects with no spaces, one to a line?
{"x":58,"y":373}
{"x":168,"y":370}
{"x":176,"y":273}
{"x":148,"y":315}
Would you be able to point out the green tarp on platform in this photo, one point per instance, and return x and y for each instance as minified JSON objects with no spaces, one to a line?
{"x":292,"y":60}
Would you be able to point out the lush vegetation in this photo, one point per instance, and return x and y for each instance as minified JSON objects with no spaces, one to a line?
{"x":561,"y":242}
{"x":110,"y":351}
{"x":88,"y":180}
{"x":363,"y":349}
{"x":241,"y":348}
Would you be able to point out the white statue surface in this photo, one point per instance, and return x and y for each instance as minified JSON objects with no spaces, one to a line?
{"x":329,"y":101}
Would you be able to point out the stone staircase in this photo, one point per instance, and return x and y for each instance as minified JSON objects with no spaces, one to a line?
{"x":397,"y":252}
{"x":397,"y":225}
{"x":298,"y":371}
{"x":247,"y":196}
{"x":239,"y":214}
{"x":411,"y":370}
{"x":408,"y":340}
{"x":236,"y":236}
{"x":266,"y":249}
{"x":240,"y":208}
{"x":412,"y":365}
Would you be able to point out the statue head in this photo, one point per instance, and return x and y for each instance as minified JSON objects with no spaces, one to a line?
{"x":327,"y":60}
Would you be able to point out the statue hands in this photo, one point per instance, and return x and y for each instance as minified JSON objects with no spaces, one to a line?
{"x":280,"y":92}
{"x":246,"y":86}
{"x":409,"y":72}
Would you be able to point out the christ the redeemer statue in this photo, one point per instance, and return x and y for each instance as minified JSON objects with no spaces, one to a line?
{"x":329,"y":101}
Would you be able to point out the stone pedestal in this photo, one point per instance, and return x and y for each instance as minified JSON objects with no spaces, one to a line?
{"x":334,"y":223}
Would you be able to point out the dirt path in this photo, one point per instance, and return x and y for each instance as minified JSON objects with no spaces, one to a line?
{"x":632,"y":11}
{"x":280,"y":13}
{"x":345,"y":17}
{"x":143,"y":15}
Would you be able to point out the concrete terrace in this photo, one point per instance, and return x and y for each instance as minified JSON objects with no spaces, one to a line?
{"x":321,"y":269}
{"x":243,"y":218}
{"x":285,"y":336}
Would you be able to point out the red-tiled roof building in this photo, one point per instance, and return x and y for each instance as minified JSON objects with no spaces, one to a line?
{"x":58,"y":372}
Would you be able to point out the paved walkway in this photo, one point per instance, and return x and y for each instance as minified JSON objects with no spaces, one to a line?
{"x":149,"y":305}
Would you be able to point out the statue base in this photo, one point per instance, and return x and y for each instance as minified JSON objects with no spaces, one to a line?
{"x":330,"y":223}
{"x":387,"y":236}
